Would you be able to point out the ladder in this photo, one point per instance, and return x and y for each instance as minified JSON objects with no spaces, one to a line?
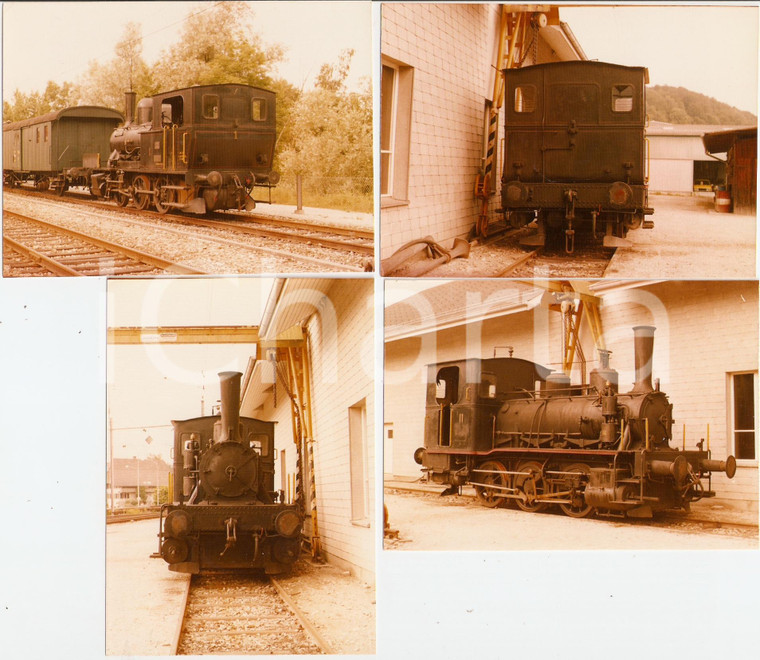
{"x":518,"y":32}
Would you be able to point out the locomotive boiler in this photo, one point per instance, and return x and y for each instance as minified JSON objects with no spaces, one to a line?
{"x":575,"y":152}
{"x":225,"y":512}
{"x":519,"y":433}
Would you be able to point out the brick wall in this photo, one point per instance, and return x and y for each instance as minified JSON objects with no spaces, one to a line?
{"x":451,"y":49}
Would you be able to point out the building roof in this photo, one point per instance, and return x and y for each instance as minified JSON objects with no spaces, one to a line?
{"x":455,"y":303}
{"x":720,"y":142}
{"x":127,"y":472}
{"x":661,"y":128}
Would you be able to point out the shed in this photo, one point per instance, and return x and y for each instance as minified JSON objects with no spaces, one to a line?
{"x":740,"y":147}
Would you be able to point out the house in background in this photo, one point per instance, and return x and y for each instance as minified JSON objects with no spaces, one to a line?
{"x":131,"y":474}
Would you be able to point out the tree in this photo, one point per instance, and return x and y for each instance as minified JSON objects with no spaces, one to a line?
{"x":105,"y":84}
{"x":216,"y":46}
{"x":332,"y":132}
{"x":25,"y":106}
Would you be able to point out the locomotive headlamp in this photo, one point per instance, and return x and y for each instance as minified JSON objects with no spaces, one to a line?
{"x":288,"y":523}
{"x":178,"y":523}
{"x":620,"y":194}
{"x":274,"y":177}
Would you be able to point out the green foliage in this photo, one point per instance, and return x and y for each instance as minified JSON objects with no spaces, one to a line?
{"x":331,"y":134}
{"x":677,"y":105}
{"x":216,"y":46}
{"x":105,"y":83}
{"x":24,"y":106}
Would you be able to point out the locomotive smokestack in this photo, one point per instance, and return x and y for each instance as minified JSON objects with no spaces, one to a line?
{"x":229,"y":382}
{"x":129,"y":106}
{"x":643,"y":346}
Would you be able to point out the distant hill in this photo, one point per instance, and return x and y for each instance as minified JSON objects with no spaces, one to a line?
{"x":677,"y":105}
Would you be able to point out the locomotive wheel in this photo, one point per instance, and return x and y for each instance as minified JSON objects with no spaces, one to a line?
{"x":578,"y":507}
{"x":162,"y":197}
{"x":122,"y":198}
{"x":142,"y":199}
{"x":492,"y":497}
{"x":530,"y":486}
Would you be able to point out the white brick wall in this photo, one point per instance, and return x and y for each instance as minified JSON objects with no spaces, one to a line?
{"x":451,"y":49}
{"x":704,"y":331}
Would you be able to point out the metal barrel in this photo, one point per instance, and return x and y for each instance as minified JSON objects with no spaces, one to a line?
{"x":229,"y":382}
{"x":643,"y":346}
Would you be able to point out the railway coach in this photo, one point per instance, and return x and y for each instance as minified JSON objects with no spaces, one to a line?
{"x":575,"y":152}
{"x":40,"y":150}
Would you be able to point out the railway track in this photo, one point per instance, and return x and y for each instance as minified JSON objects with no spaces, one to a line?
{"x":34,"y":247}
{"x":358,"y":241}
{"x":244,"y":615}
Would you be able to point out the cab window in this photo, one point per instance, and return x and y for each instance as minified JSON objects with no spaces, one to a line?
{"x":259,"y":109}
{"x":525,"y":98}
{"x":211,"y":106}
{"x":622,"y":98}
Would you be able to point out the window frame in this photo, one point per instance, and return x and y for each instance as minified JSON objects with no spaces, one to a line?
{"x":359,"y":473}
{"x":614,"y":96}
{"x":518,"y":89}
{"x":217,"y":106}
{"x":731,"y":428}
{"x":262,"y":103}
{"x":394,"y":186}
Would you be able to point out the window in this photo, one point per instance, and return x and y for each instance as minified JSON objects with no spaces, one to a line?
{"x":259,"y":109}
{"x":37,"y":135}
{"x":525,"y":98}
{"x":172,"y":111}
{"x":447,"y":385}
{"x":395,"y":131}
{"x":210,"y":106}
{"x":622,"y":98}
{"x":743,"y":415}
{"x":357,"y":445}
{"x":45,"y":133}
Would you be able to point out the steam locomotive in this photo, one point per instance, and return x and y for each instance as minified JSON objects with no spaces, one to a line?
{"x":225,"y":512}
{"x":519,"y":433}
{"x":197,"y":149}
{"x":575,"y":153}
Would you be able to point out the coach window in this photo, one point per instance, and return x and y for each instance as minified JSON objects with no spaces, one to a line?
{"x":622,"y":98}
{"x":259,"y":109}
{"x":37,"y":135}
{"x":45,"y":133}
{"x":743,"y":415}
{"x":395,"y":132}
{"x":210,"y":106}
{"x":525,"y":98}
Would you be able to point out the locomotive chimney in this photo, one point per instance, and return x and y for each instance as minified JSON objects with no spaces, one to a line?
{"x":129,"y":106}
{"x":229,"y":382}
{"x":643,"y":346}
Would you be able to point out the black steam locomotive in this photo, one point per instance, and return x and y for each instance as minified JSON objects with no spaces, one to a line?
{"x":197,"y":149}
{"x":225,"y":512}
{"x":517,"y":432}
{"x":575,"y":152}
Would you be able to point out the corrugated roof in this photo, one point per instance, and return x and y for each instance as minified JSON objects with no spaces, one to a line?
{"x":721,"y":141}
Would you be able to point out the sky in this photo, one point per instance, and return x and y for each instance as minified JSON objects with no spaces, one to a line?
{"x":150,"y":385}
{"x":68,"y":35}
{"x":710,"y":50}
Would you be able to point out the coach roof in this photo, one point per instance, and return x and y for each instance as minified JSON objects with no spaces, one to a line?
{"x":86,"y":111}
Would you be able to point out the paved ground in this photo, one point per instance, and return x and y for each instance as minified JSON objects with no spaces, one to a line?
{"x":333,"y":217}
{"x":690,"y":240}
{"x":144,"y":600}
{"x":427,"y":521}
